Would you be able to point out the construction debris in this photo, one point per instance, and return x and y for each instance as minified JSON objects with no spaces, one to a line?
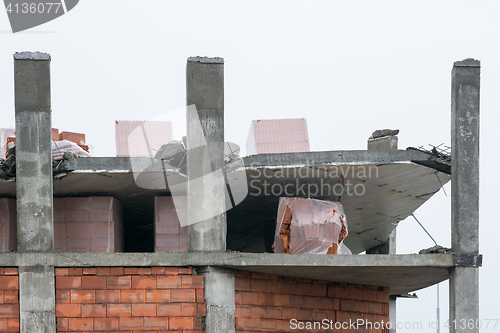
{"x":436,"y":249}
{"x":384,"y":132}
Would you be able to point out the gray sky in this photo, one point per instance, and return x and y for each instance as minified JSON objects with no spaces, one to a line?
{"x":349,"y":68}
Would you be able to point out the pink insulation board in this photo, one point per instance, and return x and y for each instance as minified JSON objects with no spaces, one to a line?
{"x":88,"y":224}
{"x":8,"y":225}
{"x":169,"y":235}
{"x":278,"y":136}
{"x":141,"y":138}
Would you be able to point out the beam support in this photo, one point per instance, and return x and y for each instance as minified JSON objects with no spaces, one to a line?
{"x":464,"y":281}
{"x":35,"y":225}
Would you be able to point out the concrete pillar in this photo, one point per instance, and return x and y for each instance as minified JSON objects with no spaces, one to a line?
{"x":35,"y":231}
{"x":206,"y":197}
{"x":386,"y":142}
{"x":219,"y":296}
{"x":464,"y":281}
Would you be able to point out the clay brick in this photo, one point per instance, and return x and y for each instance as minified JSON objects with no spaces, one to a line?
{"x":200,"y":296}
{"x":336,"y":304}
{"x":117,"y":271}
{"x":275,"y":286}
{"x":157,"y":270}
{"x":266,"y":299}
{"x":182,"y":295}
{"x":93,"y":282}
{"x":282,"y":300}
{"x":3,"y":325}
{"x":68,"y":282}
{"x":251,"y":324}
{"x":242,"y":284}
{"x":82,"y":296}
{"x":168,"y":282}
{"x":11,"y":271}
{"x":319,"y":315}
{"x":202,"y":309}
{"x":237,"y":297}
{"x":242,"y":274}
{"x":170,"y":309}
{"x":144,"y":309}
{"x":143,"y":282}
{"x":240,"y":324}
{"x":290,"y":313}
{"x":144,"y":270}
{"x":268,"y":324}
{"x":60,"y":271}
{"x":319,"y":290}
{"x":274,"y":312}
{"x":9,"y":282}
{"x":242,"y":311}
{"x":258,"y":311}
{"x":69,"y":310}
{"x":9,"y":310}
{"x":180,"y":323}
{"x":89,"y":271}
{"x":157,"y":296}
{"x":185,"y":270}
{"x":103,"y":271}
{"x":283,"y":326}
{"x":258,"y":285}
{"x":249,"y":298}
{"x":171,"y":270}
{"x":356,"y":293}
{"x":156,"y":323}
{"x":62,"y":324}
{"x":290,"y":287}
{"x":93,"y":310}
{"x":132,"y":296}
{"x":305,"y":314}
{"x":131,"y":323}
{"x":107,"y":296}
{"x":297,"y":301}
{"x":131,"y":271}
{"x":119,"y":310}
{"x":75,"y":271}
{"x":370,"y":295}
{"x":13,"y":325}
{"x":383,"y":295}
{"x":81,"y":324}
{"x":11,"y":297}
{"x":192,"y":281}
{"x":118,"y":282}
{"x":305,"y":289}
{"x":105,"y":324}
{"x":340,"y":292}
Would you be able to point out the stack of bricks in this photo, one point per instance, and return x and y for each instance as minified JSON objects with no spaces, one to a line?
{"x":88,"y":224}
{"x":9,"y":299}
{"x":169,"y":235}
{"x":267,"y":302}
{"x":8,"y":225}
{"x":129,"y":299}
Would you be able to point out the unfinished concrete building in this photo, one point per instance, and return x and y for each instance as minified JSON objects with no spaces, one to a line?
{"x":84,"y":257}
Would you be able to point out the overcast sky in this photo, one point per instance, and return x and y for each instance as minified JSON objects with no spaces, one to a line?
{"x":348,"y":67}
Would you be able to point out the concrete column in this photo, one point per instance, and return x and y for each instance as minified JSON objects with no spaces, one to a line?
{"x":206,"y":197}
{"x":219,"y":296}
{"x":35,"y":232}
{"x":464,"y":281}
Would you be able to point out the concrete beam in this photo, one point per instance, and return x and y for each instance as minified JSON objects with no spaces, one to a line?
{"x":219,"y":296}
{"x":464,"y":281}
{"x":35,"y":231}
{"x":206,"y":189}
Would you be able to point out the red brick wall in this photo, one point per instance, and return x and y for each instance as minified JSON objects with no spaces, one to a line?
{"x":129,"y":299}
{"x":9,"y":299}
{"x":268,"y":302}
